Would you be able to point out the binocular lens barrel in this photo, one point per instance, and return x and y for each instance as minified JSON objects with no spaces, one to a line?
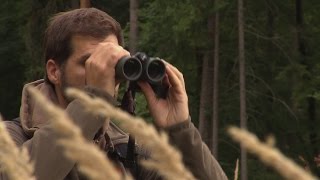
{"x":133,"y":68}
{"x":129,"y":68}
{"x":154,"y":70}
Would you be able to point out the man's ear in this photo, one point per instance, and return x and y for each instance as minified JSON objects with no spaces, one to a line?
{"x":53,"y":72}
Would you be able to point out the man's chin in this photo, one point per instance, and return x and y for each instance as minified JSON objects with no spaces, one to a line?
{"x":66,"y":97}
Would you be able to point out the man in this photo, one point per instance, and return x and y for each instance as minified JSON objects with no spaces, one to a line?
{"x":82,"y":48}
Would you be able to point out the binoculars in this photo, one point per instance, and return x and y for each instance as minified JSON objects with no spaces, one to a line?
{"x":140,"y":67}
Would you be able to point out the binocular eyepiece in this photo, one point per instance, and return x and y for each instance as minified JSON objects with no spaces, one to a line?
{"x":140,"y":67}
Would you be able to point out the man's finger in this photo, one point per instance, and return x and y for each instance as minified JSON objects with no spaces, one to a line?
{"x":176,"y":72}
{"x":174,"y":79}
{"x":147,"y":91}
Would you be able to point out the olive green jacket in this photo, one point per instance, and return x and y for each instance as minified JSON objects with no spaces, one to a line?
{"x":35,"y":133}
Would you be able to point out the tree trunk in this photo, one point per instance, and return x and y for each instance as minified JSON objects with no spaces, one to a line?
{"x":243,"y":115}
{"x":204,"y":101}
{"x":85,"y":4}
{"x":133,"y":26}
{"x":311,"y":101}
{"x":215,"y":102}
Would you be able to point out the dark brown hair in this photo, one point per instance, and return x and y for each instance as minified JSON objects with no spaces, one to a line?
{"x":84,"y":21}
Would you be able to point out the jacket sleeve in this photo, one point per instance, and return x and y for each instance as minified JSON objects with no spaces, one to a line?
{"x":196,"y":155}
{"x":48,"y":157}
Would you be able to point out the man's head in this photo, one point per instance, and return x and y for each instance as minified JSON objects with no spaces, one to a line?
{"x":86,"y":22}
{"x":68,"y":35}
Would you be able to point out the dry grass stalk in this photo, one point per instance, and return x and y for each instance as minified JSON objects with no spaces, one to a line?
{"x":270,"y":155}
{"x":164,"y":157}
{"x":90,"y":159}
{"x":14,"y":162}
{"x":236,"y":171}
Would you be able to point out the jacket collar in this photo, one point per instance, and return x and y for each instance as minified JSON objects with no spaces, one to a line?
{"x":31,"y":115}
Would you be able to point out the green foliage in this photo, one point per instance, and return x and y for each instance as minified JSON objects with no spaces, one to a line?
{"x":118,"y":9}
{"x":282,"y":81}
{"x":258,"y":170}
{"x":172,"y":30}
{"x":12,"y":53}
{"x":279,"y":80}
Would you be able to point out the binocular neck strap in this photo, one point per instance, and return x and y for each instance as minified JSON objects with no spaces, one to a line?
{"x":128,"y":103}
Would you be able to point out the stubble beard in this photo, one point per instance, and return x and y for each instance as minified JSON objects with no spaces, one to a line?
{"x":65,"y":85}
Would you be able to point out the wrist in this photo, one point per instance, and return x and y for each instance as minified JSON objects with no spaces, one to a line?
{"x":178,"y":126}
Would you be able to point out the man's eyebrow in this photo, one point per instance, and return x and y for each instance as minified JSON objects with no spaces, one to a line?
{"x":83,"y":58}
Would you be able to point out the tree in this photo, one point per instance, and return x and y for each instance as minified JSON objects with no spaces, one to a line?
{"x":205,"y":98}
{"x":303,"y":60}
{"x":133,"y":26}
{"x":215,"y":101}
{"x":242,"y":83}
{"x":85,"y":3}
{"x":13,"y":54}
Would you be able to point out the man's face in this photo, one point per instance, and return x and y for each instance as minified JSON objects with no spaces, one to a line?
{"x":73,"y":73}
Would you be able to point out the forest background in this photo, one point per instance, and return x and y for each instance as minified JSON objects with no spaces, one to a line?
{"x":282,"y":67}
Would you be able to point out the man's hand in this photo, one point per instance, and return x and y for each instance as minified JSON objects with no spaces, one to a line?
{"x":100,"y":66}
{"x":174,"y":109}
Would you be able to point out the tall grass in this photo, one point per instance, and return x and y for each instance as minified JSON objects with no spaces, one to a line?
{"x":164,"y":158}
{"x":89,"y":158}
{"x":236,"y":170}
{"x":93,"y":162}
{"x":270,"y":155}
{"x":14,"y":162}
